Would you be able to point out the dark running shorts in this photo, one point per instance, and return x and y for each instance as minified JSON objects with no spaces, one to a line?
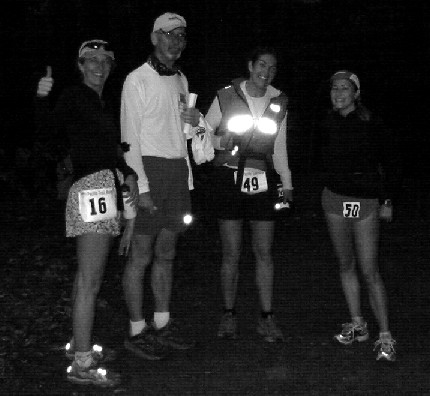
{"x":348,"y":207}
{"x":168,"y":184}
{"x":232,"y":204}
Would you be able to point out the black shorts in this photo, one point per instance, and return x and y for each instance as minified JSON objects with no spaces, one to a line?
{"x":168,"y":183}
{"x":232,"y":204}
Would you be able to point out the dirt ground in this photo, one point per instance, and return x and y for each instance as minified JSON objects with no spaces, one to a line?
{"x":37,"y":264}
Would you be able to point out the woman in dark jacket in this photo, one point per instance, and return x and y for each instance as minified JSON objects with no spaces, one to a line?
{"x":357,"y":172}
{"x":82,"y":122}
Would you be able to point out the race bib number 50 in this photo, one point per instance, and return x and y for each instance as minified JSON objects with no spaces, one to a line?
{"x":254,"y":181}
{"x":351,"y":210}
{"x":98,"y":204}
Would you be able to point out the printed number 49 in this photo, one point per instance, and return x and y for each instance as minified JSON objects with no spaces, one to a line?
{"x":251,"y":183}
{"x":101,"y":206}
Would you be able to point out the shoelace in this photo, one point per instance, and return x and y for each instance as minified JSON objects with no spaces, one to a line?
{"x":347,"y":328}
{"x":386,"y":345}
{"x":351,"y":327}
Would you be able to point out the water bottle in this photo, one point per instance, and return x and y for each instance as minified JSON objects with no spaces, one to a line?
{"x":129,"y":210}
{"x":280,"y":205}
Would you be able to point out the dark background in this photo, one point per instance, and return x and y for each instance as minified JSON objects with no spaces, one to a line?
{"x":386,"y":42}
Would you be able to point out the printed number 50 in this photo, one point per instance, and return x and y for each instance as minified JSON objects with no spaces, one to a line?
{"x":351,"y":210}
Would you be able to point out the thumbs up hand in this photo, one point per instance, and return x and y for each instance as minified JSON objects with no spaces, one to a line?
{"x":45,"y":83}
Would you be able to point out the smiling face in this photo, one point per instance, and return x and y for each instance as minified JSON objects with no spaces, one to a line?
{"x":261,"y":73}
{"x":168,"y":46}
{"x":343,"y":95}
{"x":95,"y":71}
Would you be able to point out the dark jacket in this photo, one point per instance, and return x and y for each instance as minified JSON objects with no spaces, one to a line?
{"x":358,"y":157}
{"x":84,"y":125}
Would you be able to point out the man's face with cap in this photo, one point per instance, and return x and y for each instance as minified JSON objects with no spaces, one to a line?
{"x":169,"y":45}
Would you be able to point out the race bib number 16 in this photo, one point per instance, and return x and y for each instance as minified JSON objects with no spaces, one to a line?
{"x":351,"y":210}
{"x":98,"y":204}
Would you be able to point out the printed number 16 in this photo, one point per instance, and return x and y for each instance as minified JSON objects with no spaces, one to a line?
{"x":102,"y":206}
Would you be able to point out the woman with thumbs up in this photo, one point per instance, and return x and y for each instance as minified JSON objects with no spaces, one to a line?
{"x":83,"y":121}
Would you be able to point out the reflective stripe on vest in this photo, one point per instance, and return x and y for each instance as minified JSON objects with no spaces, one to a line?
{"x":254,"y":137}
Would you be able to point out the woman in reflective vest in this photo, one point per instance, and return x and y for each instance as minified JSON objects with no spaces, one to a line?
{"x":249,"y":123}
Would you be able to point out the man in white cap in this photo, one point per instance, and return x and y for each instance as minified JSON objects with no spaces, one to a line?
{"x":153,"y":113}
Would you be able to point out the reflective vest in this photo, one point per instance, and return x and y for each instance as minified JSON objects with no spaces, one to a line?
{"x":254,"y":138}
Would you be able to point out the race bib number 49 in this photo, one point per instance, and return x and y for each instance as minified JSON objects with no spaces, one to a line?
{"x":98,"y":204}
{"x":351,"y":210}
{"x":254,"y":181}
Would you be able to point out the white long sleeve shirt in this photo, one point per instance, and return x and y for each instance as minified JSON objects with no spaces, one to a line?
{"x":150,"y":118}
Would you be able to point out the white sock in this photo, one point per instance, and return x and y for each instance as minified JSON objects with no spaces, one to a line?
{"x":83,"y":359}
{"x":137,"y":327}
{"x":385,"y":335}
{"x":161,"y":319}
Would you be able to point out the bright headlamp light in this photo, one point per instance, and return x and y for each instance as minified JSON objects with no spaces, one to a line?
{"x":267,"y":126}
{"x":188,"y":219}
{"x":240,"y":123}
{"x":275,"y":107}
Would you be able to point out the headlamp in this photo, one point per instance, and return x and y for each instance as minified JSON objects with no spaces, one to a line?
{"x":267,"y":126}
{"x":188,"y":219}
{"x":281,"y":205}
{"x":240,"y":123}
{"x":275,"y":107}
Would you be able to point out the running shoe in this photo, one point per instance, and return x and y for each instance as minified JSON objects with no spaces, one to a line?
{"x":385,"y":347}
{"x":269,"y":330}
{"x":92,"y":375}
{"x":352,"y":332}
{"x":170,"y":336}
{"x":146,"y":345}
{"x":99,"y":353}
{"x":228,"y":327}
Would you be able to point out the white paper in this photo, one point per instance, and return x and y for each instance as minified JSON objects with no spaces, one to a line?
{"x":192,"y":98}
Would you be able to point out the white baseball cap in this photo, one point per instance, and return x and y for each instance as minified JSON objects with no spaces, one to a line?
{"x":168,"y":22}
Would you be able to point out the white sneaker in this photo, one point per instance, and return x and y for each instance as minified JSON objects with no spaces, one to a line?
{"x":385,"y":349}
{"x":352,"y":332}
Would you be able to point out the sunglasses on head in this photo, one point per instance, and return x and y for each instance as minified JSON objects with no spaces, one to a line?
{"x":95,"y":44}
